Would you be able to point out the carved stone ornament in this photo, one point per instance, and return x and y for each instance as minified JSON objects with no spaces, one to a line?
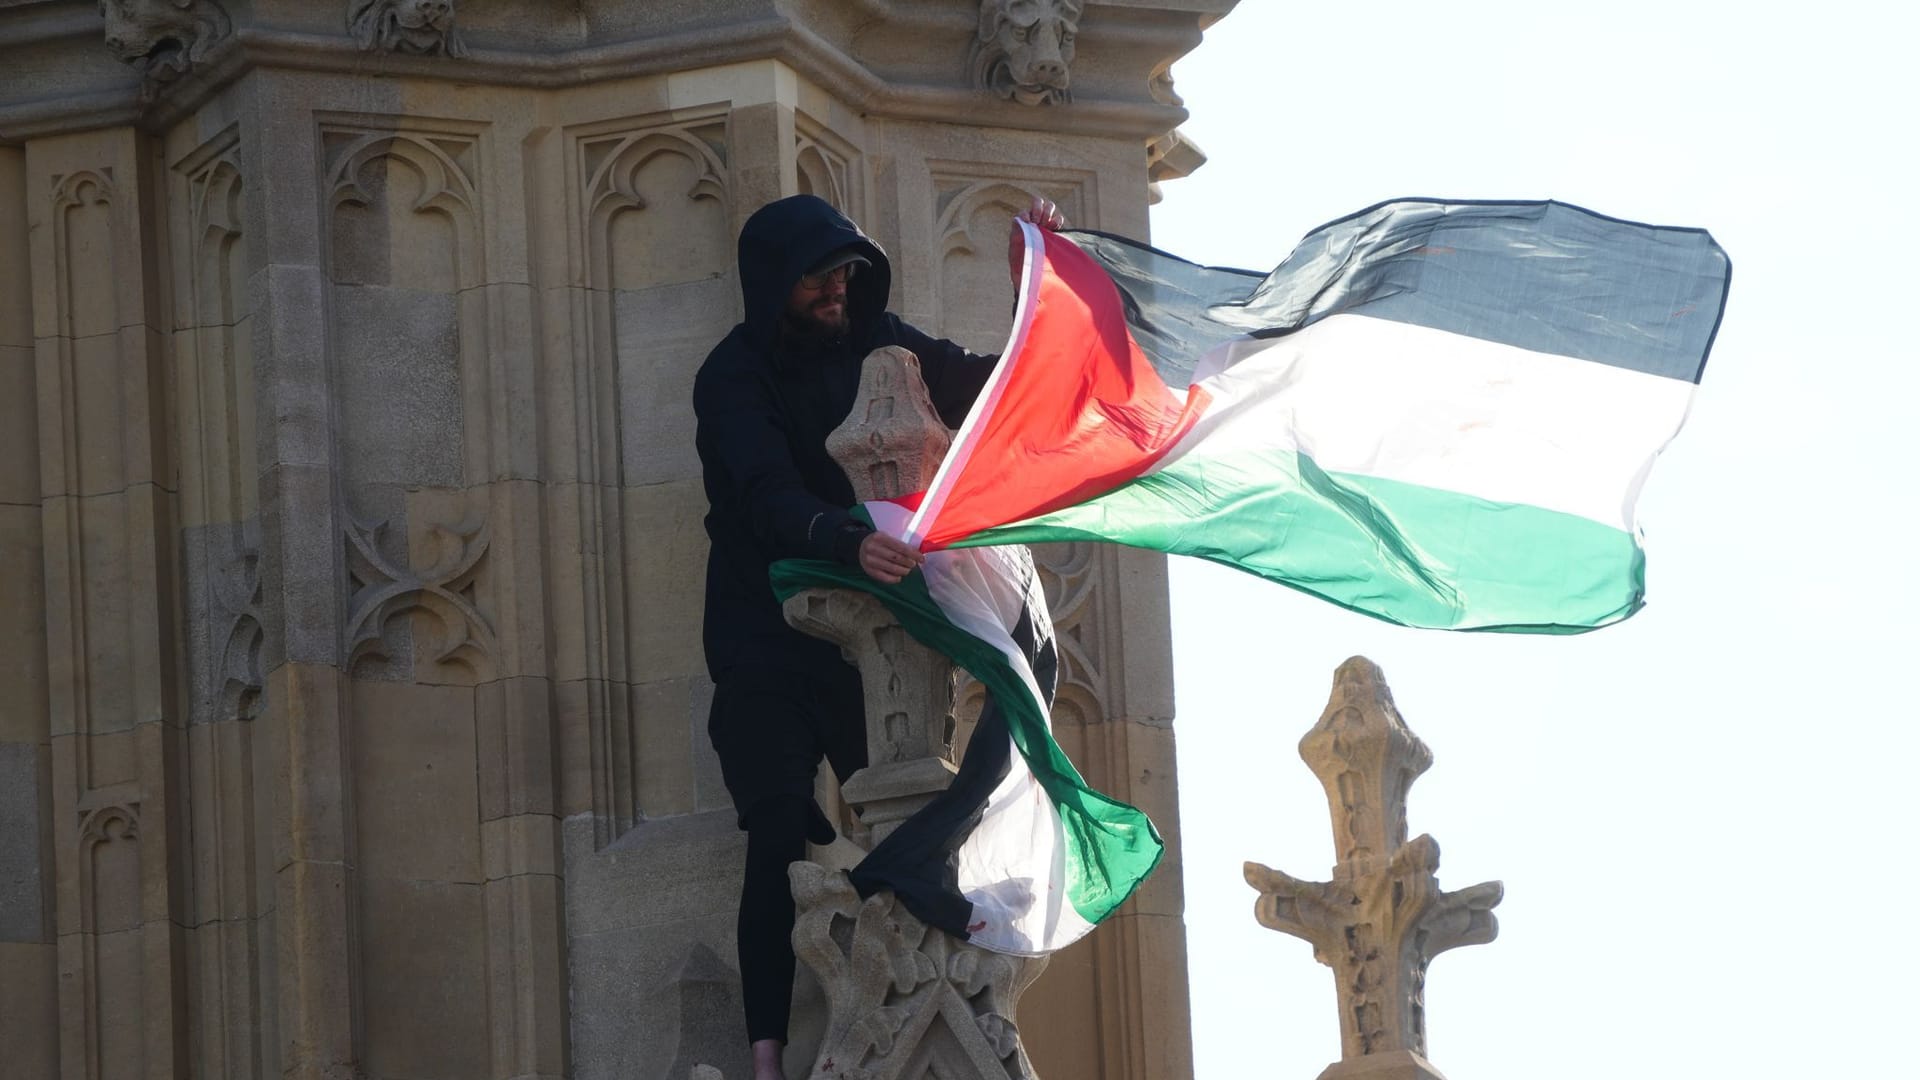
{"x":162,"y":39}
{"x":420,"y":27}
{"x":904,"y":1002}
{"x":892,"y":442}
{"x":1383,"y":918}
{"x":445,"y":589}
{"x":1024,"y":48}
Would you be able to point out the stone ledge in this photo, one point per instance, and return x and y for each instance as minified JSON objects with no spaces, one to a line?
{"x":774,"y":37}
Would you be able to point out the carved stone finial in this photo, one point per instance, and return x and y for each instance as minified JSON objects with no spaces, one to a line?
{"x":1383,"y":917}
{"x":892,"y":441}
{"x":890,"y":444}
{"x":1024,"y":48}
{"x":162,"y":39}
{"x":904,"y":1001}
{"x":420,"y":27}
{"x":1367,"y":759}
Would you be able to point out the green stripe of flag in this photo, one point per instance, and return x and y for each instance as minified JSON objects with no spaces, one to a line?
{"x":1110,"y":846}
{"x":1401,"y":552}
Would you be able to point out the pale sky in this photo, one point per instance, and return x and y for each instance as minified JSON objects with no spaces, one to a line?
{"x":1702,"y":815}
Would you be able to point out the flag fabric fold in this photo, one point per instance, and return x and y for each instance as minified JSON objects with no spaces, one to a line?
{"x":1019,"y":854}
{"x":1436,"y":413}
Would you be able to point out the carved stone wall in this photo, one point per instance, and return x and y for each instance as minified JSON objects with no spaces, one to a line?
{"x":352,"y":710}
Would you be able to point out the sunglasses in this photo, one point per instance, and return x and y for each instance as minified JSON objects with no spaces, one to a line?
{"x":841,"y":274}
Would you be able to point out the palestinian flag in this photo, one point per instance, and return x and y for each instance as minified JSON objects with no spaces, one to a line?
{"x":1439,"y":414}
{"x":1018,"y":855}
{"x":1436,"y":413}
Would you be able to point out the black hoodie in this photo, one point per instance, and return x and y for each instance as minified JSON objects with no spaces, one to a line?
{"x":766,"y":402}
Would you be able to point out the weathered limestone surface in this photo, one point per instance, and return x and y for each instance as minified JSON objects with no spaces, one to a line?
{"x":1383,"y":917}
{"x":352,"y":711}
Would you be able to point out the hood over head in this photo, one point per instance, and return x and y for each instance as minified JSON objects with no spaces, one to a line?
{"x":783,"y":240}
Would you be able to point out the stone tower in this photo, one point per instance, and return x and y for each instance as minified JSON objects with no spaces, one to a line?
{"x":352,"y":712}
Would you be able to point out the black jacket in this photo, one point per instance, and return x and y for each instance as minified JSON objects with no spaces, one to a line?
{"x":765,"y":405}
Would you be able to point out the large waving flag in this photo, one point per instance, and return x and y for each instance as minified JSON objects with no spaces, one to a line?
{"x":1018,"y":855}
{"x":1436,"y":413}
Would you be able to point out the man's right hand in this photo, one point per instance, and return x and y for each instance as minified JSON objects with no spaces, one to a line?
{"x":886,"y":559}
{"x":1041,"y":212}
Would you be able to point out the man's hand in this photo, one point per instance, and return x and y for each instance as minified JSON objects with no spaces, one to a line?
{"x":1042,"y":213}
{"x":887,"y":560}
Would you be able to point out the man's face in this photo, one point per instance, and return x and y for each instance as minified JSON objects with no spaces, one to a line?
{"x":818,"y":303}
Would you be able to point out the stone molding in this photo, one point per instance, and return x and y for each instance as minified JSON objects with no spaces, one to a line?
{"x":1147,"y":38}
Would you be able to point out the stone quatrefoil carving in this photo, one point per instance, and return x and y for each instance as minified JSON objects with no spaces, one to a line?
{"x":1024,"y":48}
{"x":445,"y":589}
{"x":420,"y":27}
{"x":162,"y":39}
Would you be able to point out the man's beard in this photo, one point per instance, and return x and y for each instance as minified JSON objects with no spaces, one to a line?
{"x":810,"y":326}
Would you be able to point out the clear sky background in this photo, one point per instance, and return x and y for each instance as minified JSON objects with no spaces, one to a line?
{"x":1703,"y":815}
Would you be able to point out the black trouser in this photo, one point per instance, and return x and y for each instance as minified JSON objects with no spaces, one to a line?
{"x":771,"y":729}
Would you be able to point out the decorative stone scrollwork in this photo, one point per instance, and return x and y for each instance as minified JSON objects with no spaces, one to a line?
{"x":162,"y":39}
{"x":83,"y":188}
{"x":236,"y":609}
{"x":892,"y":985}
{"x":822,"y":170}
{"x":110,"y":824}
{"x":444,"y":589}
{"x":420,"y":27}
{"x":616,"y":184}
{"x":1072,"y":575}
{"x":673,"y":170}
{"x":1024,"y":49}
{"x":447,"y":183}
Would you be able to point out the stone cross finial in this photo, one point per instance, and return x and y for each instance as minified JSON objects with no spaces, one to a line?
{"x":890,"y":444}
{"x":1383,"y":917}
{"x":904,"y":1001}
{"x":892,"y":440}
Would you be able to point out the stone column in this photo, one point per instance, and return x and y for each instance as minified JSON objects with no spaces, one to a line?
{"x":1382,"y":918}
{"x":904,"y":1000}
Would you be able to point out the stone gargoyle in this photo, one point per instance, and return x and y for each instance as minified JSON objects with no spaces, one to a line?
{"x":163,"y":38}
{"x":421,"y":27}
{"x":1024,"y":48}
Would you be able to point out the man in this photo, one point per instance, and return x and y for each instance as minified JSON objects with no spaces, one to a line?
{"x":766,"y":398}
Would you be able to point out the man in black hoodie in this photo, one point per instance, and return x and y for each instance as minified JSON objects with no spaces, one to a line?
{"x":766,"y":398}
